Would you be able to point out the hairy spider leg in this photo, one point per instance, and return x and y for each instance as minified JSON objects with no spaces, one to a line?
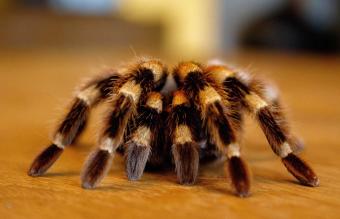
{"x":95,"y":91}
{"x":146,"y":137}
{"x":142,"y":78}
{"x":210,"y":101}
{"x":270,"y":117}
{"x":184,"y":126}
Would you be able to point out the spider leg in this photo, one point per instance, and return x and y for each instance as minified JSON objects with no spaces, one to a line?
{"x":99,"y":162}
{"x":75,"y":121}
{"x":184,"y":129}
{"x":270,"y":117}
{"x":235,"y":114}
{"x":224,"y":134}
{"x":271,"y":94}
{"x":145,"y":137}
{"x":142,"y":78}
{"x":209,"y":99}
{"x":238,"y":170}
{"x":277,"y":133}
{"x":160,"y":157}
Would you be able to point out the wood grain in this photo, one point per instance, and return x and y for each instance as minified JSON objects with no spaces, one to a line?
{"x":36,"y":86}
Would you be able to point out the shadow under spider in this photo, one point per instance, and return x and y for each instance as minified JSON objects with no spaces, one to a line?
{"x":57,"y":174}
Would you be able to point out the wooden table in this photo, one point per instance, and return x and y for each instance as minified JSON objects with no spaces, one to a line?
{"x":35,"y":86}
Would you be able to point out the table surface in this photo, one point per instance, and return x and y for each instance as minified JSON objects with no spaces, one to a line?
{"x":36,"y":85}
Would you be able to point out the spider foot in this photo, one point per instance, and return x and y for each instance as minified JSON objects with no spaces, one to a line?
{"x":239,"y":176}
{"x":300,"y":170}
{"x":96,"y":167}
{"x":186,"y":159}
{"x":44,"y":160}
{"x":136,"y":158}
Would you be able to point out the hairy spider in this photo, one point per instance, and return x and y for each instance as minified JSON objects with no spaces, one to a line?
{"x":201,"y":120}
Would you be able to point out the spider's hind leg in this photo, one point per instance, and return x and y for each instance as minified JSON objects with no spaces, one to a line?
{"x":271,"y":95}
{"x":74,"y":122}
{"x":274,"y":124}
{"x":267,"y":110}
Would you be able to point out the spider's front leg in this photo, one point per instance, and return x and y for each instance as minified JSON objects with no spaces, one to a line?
{"x":146,"y":137}
{"x":143,"y":77}
{"x":184,"y":126}
{"x":74,"y":122}
{"x":99,"y":161}
{"x":268,"y":112}
{"x":204,"y":93}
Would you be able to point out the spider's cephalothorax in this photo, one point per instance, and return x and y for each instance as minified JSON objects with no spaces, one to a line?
{"x":202,"y":119}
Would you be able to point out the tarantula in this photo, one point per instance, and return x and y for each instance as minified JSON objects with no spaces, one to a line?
{"x":201,"y":120}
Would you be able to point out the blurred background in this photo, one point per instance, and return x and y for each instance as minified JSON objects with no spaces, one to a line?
{"x":171,"y":28}
{"x":48,"y":46}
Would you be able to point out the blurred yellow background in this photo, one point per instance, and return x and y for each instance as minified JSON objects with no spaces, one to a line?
{"x":179,"y":29}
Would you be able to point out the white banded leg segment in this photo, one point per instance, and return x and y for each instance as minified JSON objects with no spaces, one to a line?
{"x":285,"y":149}
{"x":238,"y":171}
{"x":142,"y":136}
{"x":185,"y":154}
{"x":73,"y":122}
{"x":99,"y":162}
{"x":182,"y":135}
{"x":255,"y":102}
{"x":154,"y":101}
{"x":209,"y":95}
{"x":131,"y":89}
{"x":76,"y":118}
{"x":109,"y":144}
{"x":220,"y":72}
{"x":145,"y":137}
{"x":156,"y":66}
{"x":233,"y":150}
{"x":89,"y":95}
{"x":58,"y":141}
{"x":185,"y":150}
{"x":68,"y":130}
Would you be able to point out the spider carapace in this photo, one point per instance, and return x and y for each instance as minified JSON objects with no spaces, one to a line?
{"x":201,"y":119}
